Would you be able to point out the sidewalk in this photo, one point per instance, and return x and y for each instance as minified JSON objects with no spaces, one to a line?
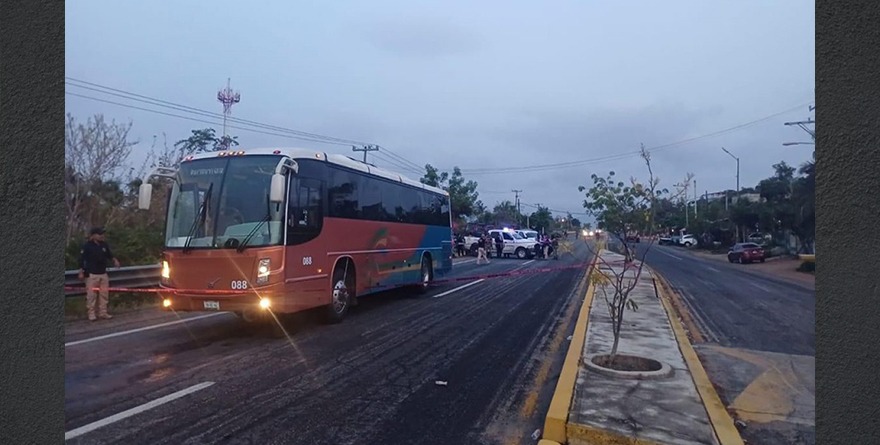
{"x":660,"y":409}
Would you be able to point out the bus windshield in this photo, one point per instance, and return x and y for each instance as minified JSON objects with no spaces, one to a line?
{"x":217,"y":202}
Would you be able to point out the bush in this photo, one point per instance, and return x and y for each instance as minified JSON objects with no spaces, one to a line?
{"x":807,"y":267}
{"x":133,"y":246}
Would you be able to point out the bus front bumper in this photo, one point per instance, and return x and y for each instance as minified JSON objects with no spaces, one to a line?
{"x":261,"y":299}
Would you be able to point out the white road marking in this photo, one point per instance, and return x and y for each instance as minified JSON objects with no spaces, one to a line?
{"x":458,"y":288}
{"x":136,"y":410}
{"x":712,"y":269}
{"x":759,"y":286}
{"x":669,"y":254}
{"x":146,"y":328}
{"x":463,"y":262}
{"x":524,"y":264}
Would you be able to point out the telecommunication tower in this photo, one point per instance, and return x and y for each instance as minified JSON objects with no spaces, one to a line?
{"x":228,"y":98}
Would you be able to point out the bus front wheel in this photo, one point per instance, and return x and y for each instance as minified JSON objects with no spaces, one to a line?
{"x":340,"y":294}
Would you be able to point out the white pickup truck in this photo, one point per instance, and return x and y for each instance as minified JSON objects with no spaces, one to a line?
{"x":515,"y":244}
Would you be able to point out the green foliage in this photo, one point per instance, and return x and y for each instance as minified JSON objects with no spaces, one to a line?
{"x":541,"y":219}
{"x":204,"y":140}
{"x":133,"y":246}
{"x":463,"y":194}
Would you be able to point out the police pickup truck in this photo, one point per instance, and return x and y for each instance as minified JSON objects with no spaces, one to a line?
{"x":514,"y":243}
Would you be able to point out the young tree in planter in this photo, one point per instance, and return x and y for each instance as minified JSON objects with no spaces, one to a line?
{"x":619,"y":207}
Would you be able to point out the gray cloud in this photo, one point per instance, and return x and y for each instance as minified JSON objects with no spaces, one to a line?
{"x":422,"y":37}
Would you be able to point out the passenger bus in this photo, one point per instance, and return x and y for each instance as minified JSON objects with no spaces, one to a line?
{"x":286,"y":230}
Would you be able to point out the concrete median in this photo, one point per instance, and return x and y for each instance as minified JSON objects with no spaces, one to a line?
{"x":675,"y":406}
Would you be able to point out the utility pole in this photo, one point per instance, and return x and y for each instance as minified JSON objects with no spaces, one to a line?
{"x":687,"y":211}
{"x":695,"y":200}
{"x":518,"y":213}
{"x":803,"y":125}
{"x":365,"y":149}
{"x":228,"y":98}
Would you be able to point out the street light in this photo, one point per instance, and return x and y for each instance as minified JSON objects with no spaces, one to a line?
{"x":798,"y":143}
{"x":737,"y":177}
{"x":737,"y":170}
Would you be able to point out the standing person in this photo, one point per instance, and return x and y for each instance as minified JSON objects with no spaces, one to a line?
{"x":499,"y":245}
{"x":93,"y":259}
{"x":481,"y":251}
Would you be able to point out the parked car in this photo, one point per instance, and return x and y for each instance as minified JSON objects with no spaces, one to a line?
{"x":745,"y":253}
{"x":688,"y":240}
{"x":757,"y":238}
{"x":664,"y":240}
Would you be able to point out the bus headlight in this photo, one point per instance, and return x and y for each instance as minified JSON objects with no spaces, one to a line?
{"x":263,"y":271}
{"x":166,"y":270}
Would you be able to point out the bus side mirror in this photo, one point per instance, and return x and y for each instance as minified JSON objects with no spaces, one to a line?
{"x":145,"y":193}
{"x":276,"y":189}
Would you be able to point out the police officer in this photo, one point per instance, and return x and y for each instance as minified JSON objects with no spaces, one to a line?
{"x":94,"y":256}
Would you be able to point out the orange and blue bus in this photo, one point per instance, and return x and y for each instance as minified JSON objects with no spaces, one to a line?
{"x":286,"y":230}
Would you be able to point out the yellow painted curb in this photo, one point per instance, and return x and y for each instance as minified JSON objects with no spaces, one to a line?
{"x":557,"y":415}
{"x":722,"y":423}
{"x":597,"y":436}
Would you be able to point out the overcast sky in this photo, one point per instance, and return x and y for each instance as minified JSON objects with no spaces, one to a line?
{"x":487,"y":86}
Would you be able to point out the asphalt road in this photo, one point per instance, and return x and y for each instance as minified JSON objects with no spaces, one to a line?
{"x":498,"y":344}
{"x":758,"y":342}
{"x":736,"y":308}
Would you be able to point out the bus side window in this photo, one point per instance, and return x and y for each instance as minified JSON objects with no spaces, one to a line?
{"x":305,"y":210}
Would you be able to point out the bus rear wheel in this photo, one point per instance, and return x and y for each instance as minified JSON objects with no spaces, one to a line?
{"x":340,"y":294}
{"x":426,"y":274}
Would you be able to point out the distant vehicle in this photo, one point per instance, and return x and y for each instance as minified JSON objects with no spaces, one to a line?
{"x":528,"y":234}
{"x":688,"y":240}
{"x":665,"y":240}
{"x":471,"y":241}
{"x":514,"y":243}
{"x":757,"y":238}
{"x":632,"y":238}
{"x":745,"y":253}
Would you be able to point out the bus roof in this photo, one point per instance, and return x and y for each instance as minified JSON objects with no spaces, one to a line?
{"x":332,"y":158}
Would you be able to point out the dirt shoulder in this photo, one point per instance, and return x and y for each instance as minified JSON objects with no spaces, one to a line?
{"x":782,"y":267}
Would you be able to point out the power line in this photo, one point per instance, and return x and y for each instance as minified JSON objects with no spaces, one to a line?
{"x":313,"y":137}
{"x":570,"y":164}
{"x":556,"y":210}
{"x":166,"y":104}
{"x":201,"y":120}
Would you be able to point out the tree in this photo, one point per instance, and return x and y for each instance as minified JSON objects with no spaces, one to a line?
{"x":505,"y":212}
{"x":804,"y":204}
{"x":576,"y":223}
{"x":95,"y":151}
{"x":463,"y":196}
{"x":204,"y":140}
{"x":541,"y":219}
{"x":619,"y":207}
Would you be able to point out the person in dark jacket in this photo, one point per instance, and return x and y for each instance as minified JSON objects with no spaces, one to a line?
{"x":93,"y":259}
{"x":499,"y":245}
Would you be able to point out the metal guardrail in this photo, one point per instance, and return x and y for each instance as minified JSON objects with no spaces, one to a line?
{"x":132,"y":277}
